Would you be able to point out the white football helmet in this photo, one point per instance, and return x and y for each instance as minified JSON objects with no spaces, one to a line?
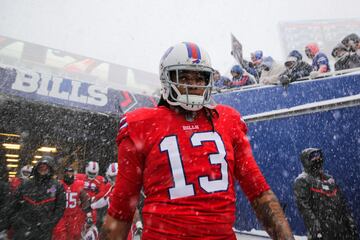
{"x":25,"y":171}
{"x":92,"y":169}
{"x":111,"y":172}
{"x":185,"y":56}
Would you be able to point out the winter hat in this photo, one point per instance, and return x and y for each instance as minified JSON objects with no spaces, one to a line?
{"x":237,"y":69}
{"x":293,"y":56}
{"x":313,"y":47}
{"x":258,"y":54}
{"x":296,"y":54}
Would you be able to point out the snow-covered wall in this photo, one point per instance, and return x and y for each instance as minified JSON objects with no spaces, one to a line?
{"x":278,"y":141}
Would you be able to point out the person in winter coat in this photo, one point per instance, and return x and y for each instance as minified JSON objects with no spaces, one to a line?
{"x":256,"y":59}
{"x":296,"y":68}
{"x":270,"y":71}
{"x":220,"y":81}
{"x":344,"y":58}
{"x":240,"y":77}
{"x":320,"y":62}
{"x":320,"y":201}
{"x":352,"y":43}
{"x":38,"y":204}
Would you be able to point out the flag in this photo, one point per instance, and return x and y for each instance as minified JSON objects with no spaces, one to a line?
{"x":236,"y":50}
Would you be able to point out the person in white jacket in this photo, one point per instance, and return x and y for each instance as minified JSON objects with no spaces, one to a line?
{"x":270,"y":71}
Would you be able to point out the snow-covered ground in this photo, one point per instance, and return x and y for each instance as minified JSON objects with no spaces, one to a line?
{"x":252,"y":235}
{"x":258,"y":235}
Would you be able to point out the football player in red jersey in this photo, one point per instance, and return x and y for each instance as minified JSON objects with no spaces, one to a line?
{"x":77,"y":205}
{"x":25,"y":172}
{"x":186,"y":154}
{"x":94,"y":184}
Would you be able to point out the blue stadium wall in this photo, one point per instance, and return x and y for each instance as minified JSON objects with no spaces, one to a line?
{"x":277,"y":142}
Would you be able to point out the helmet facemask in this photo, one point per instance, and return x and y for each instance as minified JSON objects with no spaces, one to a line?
{"x":91,"y":175}
{"x":190,"y":96}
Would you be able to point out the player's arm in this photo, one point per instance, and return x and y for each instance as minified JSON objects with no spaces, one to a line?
{"x":268,"y":210}
{"x":264,"y":202}
{"x":84,"y":201}
{"x":125,"y":194}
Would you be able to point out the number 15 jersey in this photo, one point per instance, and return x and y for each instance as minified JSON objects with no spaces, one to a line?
{"x":187,"y":170}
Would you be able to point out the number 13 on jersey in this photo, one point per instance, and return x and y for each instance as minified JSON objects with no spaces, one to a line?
{"x":181,"y":188}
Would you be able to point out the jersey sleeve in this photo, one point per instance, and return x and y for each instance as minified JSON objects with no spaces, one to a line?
{"x":247,"y":172}
{"x":126,"y":192}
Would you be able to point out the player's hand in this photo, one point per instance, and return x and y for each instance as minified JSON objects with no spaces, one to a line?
{"x":285,"y":80}
{"x":89,"y":221}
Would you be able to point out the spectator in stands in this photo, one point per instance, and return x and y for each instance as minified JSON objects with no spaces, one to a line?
{"x":256,"y":59}
{"x":344,"y":58}
{"x":240,"y":78}
{"x":320,"y":62}
{"x":250,"y":69}
{"x":320,"y":201}
{"x":296,"y":68}
{"x":220,"y":81}
{"x":270,"y":71}
{"x":352,"y":43}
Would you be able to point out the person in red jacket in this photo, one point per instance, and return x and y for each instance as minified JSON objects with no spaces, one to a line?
{"x":77,"y":205}
{"x":186,"y":154}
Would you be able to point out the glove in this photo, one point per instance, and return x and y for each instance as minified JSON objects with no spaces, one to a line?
{"x":314,"y":74}
{"x":139,"y":228}
{"x":285,"y":80}
{"x":89,"y":220}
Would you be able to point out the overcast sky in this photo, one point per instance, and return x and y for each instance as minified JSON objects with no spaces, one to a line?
{"x":135,"y":33}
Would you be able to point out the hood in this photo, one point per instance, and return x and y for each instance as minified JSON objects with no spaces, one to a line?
{"x":295,"y":54}
{"x":310,"y":165}
{"x":339,"y":46}
{"x":45,"y":160}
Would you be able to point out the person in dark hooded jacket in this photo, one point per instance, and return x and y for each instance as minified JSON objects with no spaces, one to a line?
{"x":351,"y":42}
{"x":320,"y":201}
{"x":345,"y":59}
{"x":296,"y":68}
{"x":38,"y":204}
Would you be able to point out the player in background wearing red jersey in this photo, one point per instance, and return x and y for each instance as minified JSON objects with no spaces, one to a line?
{"x":186,"y":154}
{"x":94,"y":184}
{"x":77,"y":205}
{"x":25,"y":172}
{"x":104,"y":202}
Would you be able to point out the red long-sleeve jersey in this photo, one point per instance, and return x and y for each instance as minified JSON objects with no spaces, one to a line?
{"x":187,"y":170}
